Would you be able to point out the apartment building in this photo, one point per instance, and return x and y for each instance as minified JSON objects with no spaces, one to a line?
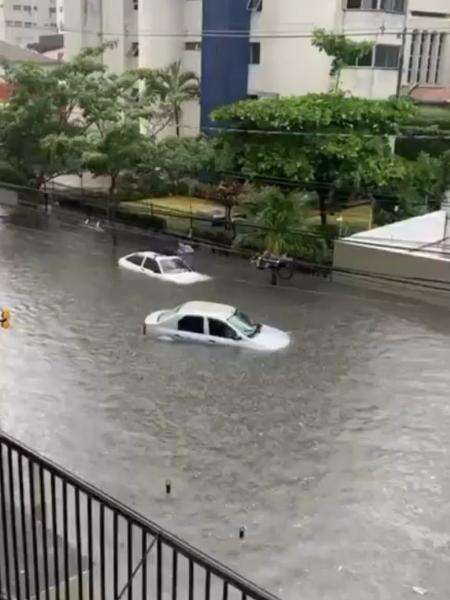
{"x":263,"y":48}
{"x":22,"y":22}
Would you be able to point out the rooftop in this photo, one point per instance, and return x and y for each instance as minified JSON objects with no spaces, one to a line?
{"x":426,"y":236}
{"x":17,"y":54}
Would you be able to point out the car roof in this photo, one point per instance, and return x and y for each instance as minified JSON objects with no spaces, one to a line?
{"x":150,"y":254}
{"x":208,"y":309}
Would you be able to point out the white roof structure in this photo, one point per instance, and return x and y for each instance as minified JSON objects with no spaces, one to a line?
{"x":427,"y":236}
{"x":207,"y":309}
{"x":412,"y":255}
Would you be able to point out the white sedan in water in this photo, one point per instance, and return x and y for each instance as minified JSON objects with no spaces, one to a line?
{"x":211,"y":323}
{"x":164,"y":267}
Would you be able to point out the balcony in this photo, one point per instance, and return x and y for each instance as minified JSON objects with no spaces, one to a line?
{"x":62,"y":538}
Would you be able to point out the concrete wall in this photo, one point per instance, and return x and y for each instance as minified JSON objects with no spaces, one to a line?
{"x":394,"y":257}
{"x":384,"y":262}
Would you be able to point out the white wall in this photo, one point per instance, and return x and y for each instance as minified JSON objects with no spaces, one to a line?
{"x":26,"y":26}
{"x":159,"y":23}
{"x":290,"y":65}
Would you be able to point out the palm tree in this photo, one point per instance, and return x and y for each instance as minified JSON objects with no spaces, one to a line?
{"x":175,"y":87}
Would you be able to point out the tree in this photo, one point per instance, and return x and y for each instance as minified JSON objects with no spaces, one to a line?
{"x":175,"y":87}
{"x":183,"y":158}
{"x":42,"y":126}
{"x":112,"y":150}
{"x":337,"y":146}
{"x":35,"y":117}
{"x":345,"y":52}
{"x":228,"y":193}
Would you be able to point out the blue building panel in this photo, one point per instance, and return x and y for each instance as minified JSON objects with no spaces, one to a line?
{"x":225,"y":54}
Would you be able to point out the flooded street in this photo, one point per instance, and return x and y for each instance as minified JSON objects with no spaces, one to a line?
{"x":334,"y":454}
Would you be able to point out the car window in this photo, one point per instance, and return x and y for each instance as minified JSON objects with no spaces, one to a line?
{"x":136,"y":259}
{"x":221,"y":329}
{"x":152,"y":265}
{"x":173,"y":265}
{"x":191,"y":324}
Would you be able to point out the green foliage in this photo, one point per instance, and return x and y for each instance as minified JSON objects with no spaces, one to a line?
{"x":282,"y":224}
{"x":78,"y":115}
{"x":344,"y":51}
{"x":342,"y":148}
{"x":174,"y":87}
{"x":318,"y":113}
{"x":180,"y":158}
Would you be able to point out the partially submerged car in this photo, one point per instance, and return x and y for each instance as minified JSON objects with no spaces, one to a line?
{"x":162,"y":266}
{"x":211,"y":323}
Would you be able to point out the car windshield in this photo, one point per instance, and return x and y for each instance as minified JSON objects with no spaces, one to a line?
{"x":243,"y":324}
{"x":166,"y":314}
{"x":173,"y":265}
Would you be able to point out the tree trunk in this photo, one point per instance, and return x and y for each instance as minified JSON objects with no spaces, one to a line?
{"x":111,"y":212}
{"x":177,"y":121}
{"x":338,"y":80}
{"x":228,"y":217}
{"x":323,"y":209}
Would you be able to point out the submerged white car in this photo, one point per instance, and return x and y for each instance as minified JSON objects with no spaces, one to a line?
{"x":163,"y":267}
{"x":211,"y":323}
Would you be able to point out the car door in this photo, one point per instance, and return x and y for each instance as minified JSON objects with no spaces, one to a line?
{"x":151,"y":268}
{"x":222,"y":333}
{"x":191,"y":328}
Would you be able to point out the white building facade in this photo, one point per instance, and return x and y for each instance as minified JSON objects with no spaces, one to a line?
{"x":22,"y":22}
{"x":262,"y":48}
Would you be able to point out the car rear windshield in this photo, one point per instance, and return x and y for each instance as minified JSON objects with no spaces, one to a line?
{"x":243,"y":324}
{"x":173,"y":265}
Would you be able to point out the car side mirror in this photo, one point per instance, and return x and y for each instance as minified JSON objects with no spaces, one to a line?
{"x":237,"y":338}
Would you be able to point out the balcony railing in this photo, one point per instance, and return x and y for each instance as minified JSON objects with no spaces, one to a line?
{"x":62,"y":539}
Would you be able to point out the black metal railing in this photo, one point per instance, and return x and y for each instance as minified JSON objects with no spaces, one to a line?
{"x":61,"y":538}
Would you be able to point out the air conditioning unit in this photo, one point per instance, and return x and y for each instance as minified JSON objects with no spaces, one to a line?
{"x":254,"y":5}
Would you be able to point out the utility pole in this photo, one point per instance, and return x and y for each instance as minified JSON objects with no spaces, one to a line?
{"x":401,"y":60}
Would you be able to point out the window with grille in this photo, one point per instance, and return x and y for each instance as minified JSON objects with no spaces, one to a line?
{"x":386,"y":57}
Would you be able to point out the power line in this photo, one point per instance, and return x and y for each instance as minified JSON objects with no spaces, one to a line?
{"x":245,"y":34}
{"x":313,"y":133}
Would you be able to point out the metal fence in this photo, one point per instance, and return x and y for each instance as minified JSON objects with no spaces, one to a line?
{"x":62,"y":538}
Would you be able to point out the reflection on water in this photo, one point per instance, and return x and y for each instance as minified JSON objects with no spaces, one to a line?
{"x":333,"y":454}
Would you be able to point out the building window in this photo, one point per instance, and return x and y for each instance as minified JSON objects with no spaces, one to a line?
{"x":386,"y":57}
{"x":17,"y":23}
{"x":136,"y":4}
{"x":193,"y":46}
{"x":366,"y":60}
{"x":17,"y":7}
{"x":26,"y":8}
{"x":27,"y":24}
{"x":134,"y":51}
{"x":397,"y":6}
{"x":52,"y":10}
{"x":255,"y":53}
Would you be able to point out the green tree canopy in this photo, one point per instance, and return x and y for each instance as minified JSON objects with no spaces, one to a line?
{"x":318,"y":113}
{"x":338,"y":146}
{"x":344,"y":51}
